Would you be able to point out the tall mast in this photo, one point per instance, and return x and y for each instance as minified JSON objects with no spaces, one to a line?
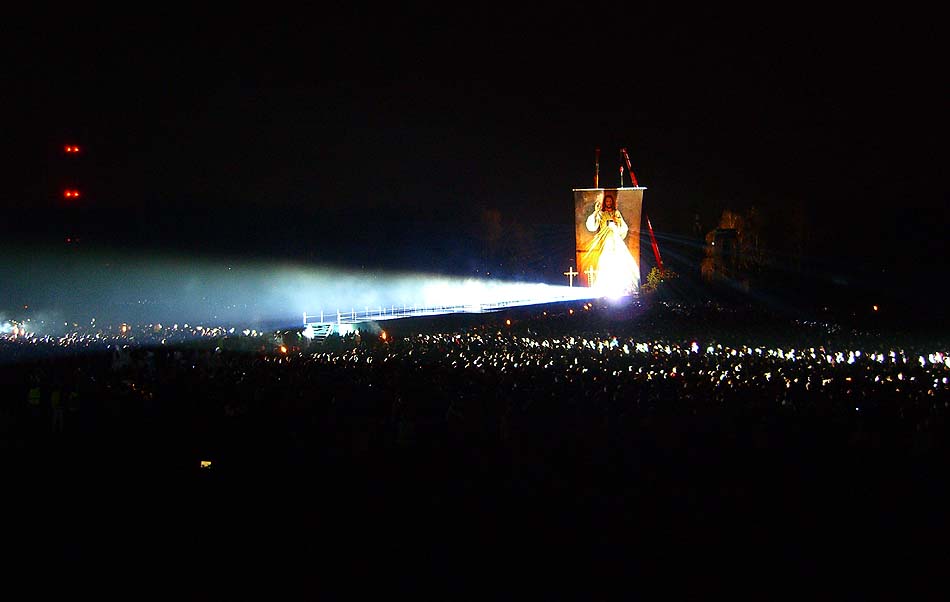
{"x":596,"y":168}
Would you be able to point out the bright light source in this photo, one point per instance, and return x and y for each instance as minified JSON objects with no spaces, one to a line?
{"x":176,"y":290}
{"x":206,"y":464}
{"x":874,"y":307}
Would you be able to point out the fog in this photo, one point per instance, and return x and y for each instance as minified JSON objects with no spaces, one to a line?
{"x":54,"y":290}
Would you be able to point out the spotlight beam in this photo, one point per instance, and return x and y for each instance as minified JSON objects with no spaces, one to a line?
{"x":113,"y":288}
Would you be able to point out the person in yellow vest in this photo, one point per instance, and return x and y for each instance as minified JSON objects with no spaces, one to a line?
{"x":72,"y":401}
{"x":34,"y":400}
{"x":33,"y":396}
{"x":56,"y":405}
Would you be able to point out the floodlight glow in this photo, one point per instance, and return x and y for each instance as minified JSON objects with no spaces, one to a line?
{"x":130,"y":291}
{"x":612,"y":284}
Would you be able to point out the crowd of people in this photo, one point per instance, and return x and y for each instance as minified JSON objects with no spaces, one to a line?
{"x":576,"y":401}
{"x":565,"y":358}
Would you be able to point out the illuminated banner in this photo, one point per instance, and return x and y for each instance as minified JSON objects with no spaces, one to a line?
{"x":607,"y":234}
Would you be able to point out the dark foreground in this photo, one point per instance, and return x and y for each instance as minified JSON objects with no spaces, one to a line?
{"x":336,"y":475}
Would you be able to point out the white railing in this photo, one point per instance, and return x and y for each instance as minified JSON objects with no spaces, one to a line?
{"x":367,"y":314}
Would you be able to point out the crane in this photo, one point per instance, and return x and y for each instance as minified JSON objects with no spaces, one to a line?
{"x":633,"y":178}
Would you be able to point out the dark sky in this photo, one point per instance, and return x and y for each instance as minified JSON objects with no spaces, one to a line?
{"x":388,"y":136}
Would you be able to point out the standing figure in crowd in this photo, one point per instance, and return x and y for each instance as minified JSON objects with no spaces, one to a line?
{"x":617,"y":273}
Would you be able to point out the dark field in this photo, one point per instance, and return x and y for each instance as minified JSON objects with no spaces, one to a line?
{"x":484,"y":458}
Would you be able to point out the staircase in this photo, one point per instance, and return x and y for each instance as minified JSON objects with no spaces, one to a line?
{"x":318,"y":332}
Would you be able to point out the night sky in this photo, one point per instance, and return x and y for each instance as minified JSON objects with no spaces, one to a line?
{"x":385,"y":138}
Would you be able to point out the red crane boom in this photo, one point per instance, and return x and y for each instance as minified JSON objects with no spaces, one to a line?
{"x":633,"y":178}
{"x":626,"y":157}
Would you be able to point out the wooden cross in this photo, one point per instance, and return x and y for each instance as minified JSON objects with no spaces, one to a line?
{"x":570,"y":273}
{"x":590,"y":271}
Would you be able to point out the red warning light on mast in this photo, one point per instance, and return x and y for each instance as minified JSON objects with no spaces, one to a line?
{"x":71,"y":194}
{"x":71,"y":148}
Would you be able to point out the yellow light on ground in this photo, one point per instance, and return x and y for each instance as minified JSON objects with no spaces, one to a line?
{"x":507,"y":322}
{"x":283,"y":349}
{"x":874,"y":307}
{"x":384,"y":336}
{"x":205,"y":464}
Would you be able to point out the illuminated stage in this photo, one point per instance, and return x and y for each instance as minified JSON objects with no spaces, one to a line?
{"x":607,"y":255}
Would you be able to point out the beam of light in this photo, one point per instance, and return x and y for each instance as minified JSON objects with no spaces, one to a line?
{"x":63,"y":289}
